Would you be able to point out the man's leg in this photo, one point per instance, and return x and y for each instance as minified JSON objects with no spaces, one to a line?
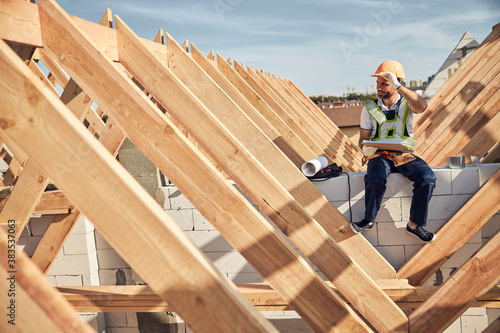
{"x":424,"y":181}
{"x":375,"y":184}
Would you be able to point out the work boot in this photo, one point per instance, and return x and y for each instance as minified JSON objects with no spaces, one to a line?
{"x":422,"y":234}
{"x":357,"y":227}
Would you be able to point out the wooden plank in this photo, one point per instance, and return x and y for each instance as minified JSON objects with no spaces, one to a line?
{"x":460,"y":291}
{"x":172,"y":94}
{"x":54,"y":68}
{"x":42,"y":124}
{"x":19,"y":23}
{"x":52,"y":202}
{"x":262,"y":296}
{"x":493,"y":155}
{"x":24,"y":198}
{"x":305,"y":151}
{"x":465,"y":223}
{"x":344,"y":146}
{"x":242,"y":167}
{"x":41,"y":75}
{"x":34,"y":297}
{"x":246,"y":107}
{"x":485,"y":139}
{"x":312,"y":142}
{"x":468,"y":130}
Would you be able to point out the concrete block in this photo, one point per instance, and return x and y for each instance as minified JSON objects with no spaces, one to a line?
{"x":357,"y":209}
{"x":107,"y":277}
{"x":440,"y":207}
{"x":116,"y":319}
{"x":411,"y":250}
{"x":394,"y":233}
{"x":492,"y":314}
{"x":398,"y":186}
{"x":209,"y":241}
{"x":183,"y":217}
{"x":357,"y":182}
{"x":76,"y":244}
{"x":230,"y":262}
{"x":90,"y":237}
{"x":137,"y":163}
{"x":91,"y":319}
{"x":69,"y":281}
{"x":28,"y":244}
{"x":443,"y":181}
{"x":486,"y":171}
{"x":465,"y":181}
{"x":164,"y":195}
{"x":372,"y":235}
{"x":40,"y":224}
{"x":177,"y":199}
{"x":390,"y":210}
{"x":109,"y":259}
{"x":395,"y":255}
{"x":472,"y":324}
{"x":200,"y":222}
{"x":455,"y":327}
{"x":82,"y":226}
{"x":475,"y":312}
{"x":132,"y":319}
{"x":100,"y":242}
{"x":70,"y":265}
{"x":334,"y":189}
{"x":243,"y":277}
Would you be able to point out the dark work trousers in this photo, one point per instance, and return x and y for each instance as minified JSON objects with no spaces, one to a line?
{"x":422,"y":176}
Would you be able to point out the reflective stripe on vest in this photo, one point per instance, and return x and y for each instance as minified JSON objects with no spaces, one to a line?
{"x":394,"y":129}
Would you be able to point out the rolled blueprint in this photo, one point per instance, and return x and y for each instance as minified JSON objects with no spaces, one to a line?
{"x":311,"y":167}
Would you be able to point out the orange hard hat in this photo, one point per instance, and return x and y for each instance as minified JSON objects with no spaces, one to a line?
{"x":391,"y":66}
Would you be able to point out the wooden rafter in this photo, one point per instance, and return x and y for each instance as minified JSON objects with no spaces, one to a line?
{"x":157,"y":249}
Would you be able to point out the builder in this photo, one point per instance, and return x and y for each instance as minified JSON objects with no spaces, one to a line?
{"x":386,"y":137}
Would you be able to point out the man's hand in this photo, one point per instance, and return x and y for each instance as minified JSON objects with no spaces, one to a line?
{"x":391,"y":78}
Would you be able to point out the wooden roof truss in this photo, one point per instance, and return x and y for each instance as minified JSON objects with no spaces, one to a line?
{"x":201,"y":120}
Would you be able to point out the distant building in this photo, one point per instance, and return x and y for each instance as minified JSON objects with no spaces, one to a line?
{"x":346,"y":118}
{"x":464,"y":48}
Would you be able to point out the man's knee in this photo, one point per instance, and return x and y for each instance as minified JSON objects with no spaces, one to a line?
{"x":375,"y":177}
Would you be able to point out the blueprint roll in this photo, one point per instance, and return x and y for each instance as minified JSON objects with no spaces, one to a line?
{"x":312,"y":167}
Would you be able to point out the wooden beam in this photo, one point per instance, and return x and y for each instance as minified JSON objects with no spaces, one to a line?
{"x":458,"y":80}
{"x":34,"y":118}
{"x":24,"y":198}
{"x":305,"y":151}
{"x":262,"y":296}
{"x":33,"y":296}
{"x":107,"y":18}
{"x":246,"y":107}
{"x":494,"y":327}
{"x":19,"y":23}
{"x":482,"y":142}
{"x":186,"y":168}
{"x":174,"y":96}
{"x":493,"y":155}
{"x":460,"y":291}
{"x":465,"y":223}
{"x":242,"y":166}
{"x":54,"y":68}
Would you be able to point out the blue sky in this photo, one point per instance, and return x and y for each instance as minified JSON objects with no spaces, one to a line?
{"x":324,"y":46}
